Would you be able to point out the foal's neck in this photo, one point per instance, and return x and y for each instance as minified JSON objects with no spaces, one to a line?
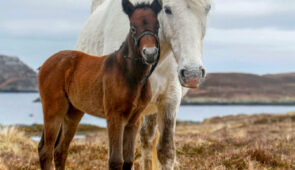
{"x":132,"y":62}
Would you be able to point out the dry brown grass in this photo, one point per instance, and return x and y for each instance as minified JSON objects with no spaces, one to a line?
{"x":232,"y":142}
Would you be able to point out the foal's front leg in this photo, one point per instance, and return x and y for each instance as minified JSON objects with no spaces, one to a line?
{"x":129,"y":144}
{"x":115,"y":133}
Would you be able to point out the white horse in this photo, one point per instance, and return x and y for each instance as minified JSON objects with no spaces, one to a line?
{"x":182,"y":30}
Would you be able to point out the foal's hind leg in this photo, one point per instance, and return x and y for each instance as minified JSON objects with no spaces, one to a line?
{"x":69,"y":127}
{"x":129,"y":143}
{"x":54,"y":109}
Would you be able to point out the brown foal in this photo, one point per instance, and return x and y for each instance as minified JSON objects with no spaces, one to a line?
{"x":114,"y":87}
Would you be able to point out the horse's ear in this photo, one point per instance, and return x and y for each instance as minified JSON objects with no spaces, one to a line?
{"x":157,"y":6}
{"x":128,"y":7}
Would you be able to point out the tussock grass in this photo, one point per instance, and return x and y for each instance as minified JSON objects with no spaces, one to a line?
{"x":232,"y":142}
{"x":17,"y":151}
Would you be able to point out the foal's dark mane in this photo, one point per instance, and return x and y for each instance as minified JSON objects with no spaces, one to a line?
{"x":122,"y":56}
{"x":156,"y":6}
{"x":142,"y":5}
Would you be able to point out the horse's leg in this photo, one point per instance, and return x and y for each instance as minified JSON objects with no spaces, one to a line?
{"x":54,"y":109}
{"x":115,"y":134}
{"x":166,"y":122}
{"x":129,"y":143}
{"x":69,"y":127}
{"x":147,"y":138}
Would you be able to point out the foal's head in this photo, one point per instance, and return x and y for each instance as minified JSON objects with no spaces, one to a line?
{"x":144,"y":27}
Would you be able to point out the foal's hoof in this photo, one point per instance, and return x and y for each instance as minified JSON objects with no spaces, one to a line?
{"x":127,"y":165}
{"x":115,"y":165}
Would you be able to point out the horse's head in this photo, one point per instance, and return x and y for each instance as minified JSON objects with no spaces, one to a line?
{"x":144,"y":27}
{"x":184,"y":25}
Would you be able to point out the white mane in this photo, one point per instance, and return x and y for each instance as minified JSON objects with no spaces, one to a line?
{"x":95,"y":4}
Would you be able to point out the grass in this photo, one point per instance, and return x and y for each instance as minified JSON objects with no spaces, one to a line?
{"x":36,"y":129}
{"x":232,"y":142}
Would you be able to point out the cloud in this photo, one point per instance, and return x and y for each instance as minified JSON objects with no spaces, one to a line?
{"x":229,"y":14}
{"x":37,"y":19}
{"x":40,"y":26}
{"x":54,"y":4}
{"x":252,"y":44}
{"x":253,"y":7}
{"x":262,"y":36}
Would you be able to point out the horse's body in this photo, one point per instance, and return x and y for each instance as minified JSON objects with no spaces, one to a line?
{"x":72,"y":83}
{"x":182,"y":29}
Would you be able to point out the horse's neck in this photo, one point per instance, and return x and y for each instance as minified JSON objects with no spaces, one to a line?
{"x":164,"y":43}
{"x":165,"y":49}
{"x":134,"y":69}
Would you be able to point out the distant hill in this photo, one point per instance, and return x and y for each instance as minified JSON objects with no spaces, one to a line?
{"x":15,"y":76}
{"x":244,"y":88}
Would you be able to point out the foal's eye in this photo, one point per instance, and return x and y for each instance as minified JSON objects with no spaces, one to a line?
{"x":168,"y":10}
{"x":133,"y":29}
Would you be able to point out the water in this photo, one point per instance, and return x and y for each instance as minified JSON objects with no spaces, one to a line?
{"x":38,"y":138}
{"x":18,"y":108}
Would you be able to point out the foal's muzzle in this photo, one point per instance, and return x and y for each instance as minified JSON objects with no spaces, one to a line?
{"x":150,"y":54}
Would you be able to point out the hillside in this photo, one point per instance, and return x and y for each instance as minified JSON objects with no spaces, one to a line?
{"x":239,"y":87}
{"x":15,"y":76}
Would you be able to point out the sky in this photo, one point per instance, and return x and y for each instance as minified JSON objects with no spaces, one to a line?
{"x":253,"y":36}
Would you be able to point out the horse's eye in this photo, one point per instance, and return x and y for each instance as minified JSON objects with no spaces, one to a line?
{"x":133,"y":29}
{"x":168,"y":10}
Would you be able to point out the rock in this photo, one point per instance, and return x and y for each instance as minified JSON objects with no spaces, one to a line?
{"x":15,"y":76}
{"x":37,"y":100}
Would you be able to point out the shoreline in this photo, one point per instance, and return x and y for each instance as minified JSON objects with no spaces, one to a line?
{"x":85,"y":130}
{"x":19,"y":91}
{"x":239,"y":101}
{"x":235,"y":104}
{"x":36,"y":129}
{"x":193,"y":101}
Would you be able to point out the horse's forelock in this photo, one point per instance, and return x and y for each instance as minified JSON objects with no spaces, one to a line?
{"x":200,"y":6}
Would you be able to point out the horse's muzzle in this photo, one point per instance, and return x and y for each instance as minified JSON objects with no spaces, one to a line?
{"x":191,"y":78}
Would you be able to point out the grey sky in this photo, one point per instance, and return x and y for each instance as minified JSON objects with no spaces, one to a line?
{"x":255,"y":36}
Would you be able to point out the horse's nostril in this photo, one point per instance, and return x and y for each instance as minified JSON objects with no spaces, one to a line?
{"x":203,"y":72}
{"x":182,"y":73}
{"x":144,"y":51}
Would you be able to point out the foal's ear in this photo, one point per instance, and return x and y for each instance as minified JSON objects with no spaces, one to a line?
{"x":128,"y":7}
{"x":157,"y":6}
